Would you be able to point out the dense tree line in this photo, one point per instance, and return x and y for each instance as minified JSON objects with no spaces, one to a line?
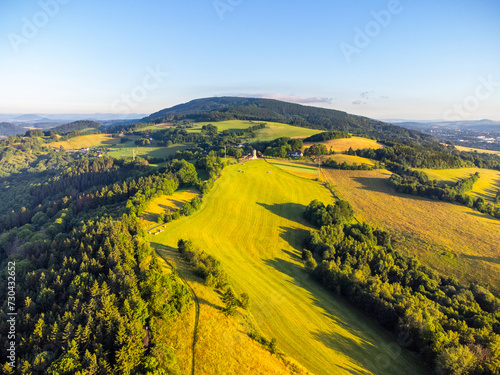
{"x":454,"y":327}
{"x":434,"y":156}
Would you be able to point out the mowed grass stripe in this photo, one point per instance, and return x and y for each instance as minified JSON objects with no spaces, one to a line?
{"x":252,"y":223}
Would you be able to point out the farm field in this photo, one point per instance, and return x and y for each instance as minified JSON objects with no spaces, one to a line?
{"x":450,"y":238}
{"x":479,"y":150}
{"x":272,"y":131}
{"x":252,"y":223}
{"x":486,"y":187}
{"x":297,"y":168}
{"x":160,"y":204}
{"x":349,"y":159}
{"x":158,"y":152}
{"x":223,"y":345}
{"x":84,"y":141}
{"x":343,"y":144}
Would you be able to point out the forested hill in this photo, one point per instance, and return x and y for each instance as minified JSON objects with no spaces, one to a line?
{"x":77,"y":125}
{"x":7,"y":129}
{"x":228,"y":108}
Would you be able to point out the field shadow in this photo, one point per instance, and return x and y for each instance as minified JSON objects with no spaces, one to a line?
{"x":484,"y":259}
{"x":289,"y":211}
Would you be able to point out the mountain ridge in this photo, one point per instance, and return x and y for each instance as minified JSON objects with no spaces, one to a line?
{"x":258,"y":109}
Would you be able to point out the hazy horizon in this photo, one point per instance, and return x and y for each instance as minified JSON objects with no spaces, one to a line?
{"x":379,"y":59}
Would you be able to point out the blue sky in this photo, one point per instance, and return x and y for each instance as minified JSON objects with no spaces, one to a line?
{"x":383,"y":59}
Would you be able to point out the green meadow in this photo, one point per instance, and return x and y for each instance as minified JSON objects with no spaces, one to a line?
{"x":251,"y":221}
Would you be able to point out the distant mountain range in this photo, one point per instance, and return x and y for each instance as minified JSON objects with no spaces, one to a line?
{"x":34,"y":119}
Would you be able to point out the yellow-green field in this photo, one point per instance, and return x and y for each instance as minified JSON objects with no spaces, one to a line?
{"x":448,"y":237}
{"x":343,"y":144}
{"x":272,"y":130}
{"x":486,"y":187}
{"x":252,"y":222}
{"x":120,"y":151}
{"x":223,"y":345}
{"x":160,"y":204}
{"x":84,"y":141}
{"x":298,"y":167}
{"x":479,"y":150}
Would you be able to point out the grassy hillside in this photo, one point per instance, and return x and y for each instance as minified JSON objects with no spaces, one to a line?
{"x":486,"y":187}
{"x":251,"y":221}
{"x":343,"y":144}
{"x":128,"y":150}
{"x":272,"y":131}
{"x":295,"y":167}
{"x":450,"y":238}
{"x":479,"y":150}
{"x":92,"y":140}
{"x":223,"y":345}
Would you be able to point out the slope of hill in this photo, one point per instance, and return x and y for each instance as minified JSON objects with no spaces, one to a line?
{"x":228,"y":108}
{"x":260,"y":210}
{"x":7,"y":129}
{"x":77,"y":125}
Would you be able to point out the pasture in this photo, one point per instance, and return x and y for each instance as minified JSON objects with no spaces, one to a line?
{"x":299,"y":168}
{"x":478,"y":150}
{"x":272,"y":130}
{"x":252,"y":223}
{"x":128,"y":150}
{"x":450,"y":238}
{"x":84,"y":141}
{"x":343,"y":144}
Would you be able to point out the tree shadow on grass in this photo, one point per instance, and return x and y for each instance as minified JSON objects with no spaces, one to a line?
{"x":289,"y":211}
{"x":295,"y":237}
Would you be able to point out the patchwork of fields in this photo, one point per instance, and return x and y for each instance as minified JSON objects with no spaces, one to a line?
{"x":252,"y":222}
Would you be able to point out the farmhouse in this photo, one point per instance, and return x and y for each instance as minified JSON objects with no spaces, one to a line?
{"x":294,"y":154}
